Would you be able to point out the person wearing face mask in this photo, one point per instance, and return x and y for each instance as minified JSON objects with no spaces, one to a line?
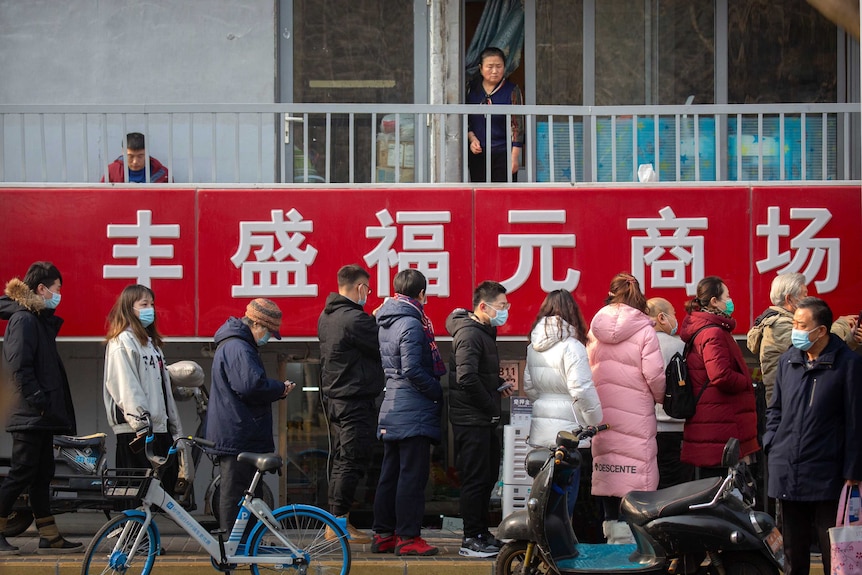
{"x":813,"y":431}
{"x":628,"y":371}
{"x":239,"y":416}
{"x":671,"y":471}
{"x":475,"y":390}
{"x":352,"y":378}
{"x":770,"y":335}
{"x":727,"y":407}
{"x":41,"y":401}
{"x":137,"y":381}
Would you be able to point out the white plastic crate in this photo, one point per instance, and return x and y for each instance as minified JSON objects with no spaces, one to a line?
{"x":515,"y":497}
{"x":515,"y":451}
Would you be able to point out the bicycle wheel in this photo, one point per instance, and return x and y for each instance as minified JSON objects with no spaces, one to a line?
{"x":109,"y":550}
{"x":306,"y":527}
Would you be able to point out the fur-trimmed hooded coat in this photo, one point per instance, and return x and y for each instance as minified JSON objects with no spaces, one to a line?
{"x":41,"y":399}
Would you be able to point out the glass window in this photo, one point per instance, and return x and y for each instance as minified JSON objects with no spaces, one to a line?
{"x":559,"y":52}
{"x":348,"y":52}
{"x":654,"y":52}
{"x":780,"y":52}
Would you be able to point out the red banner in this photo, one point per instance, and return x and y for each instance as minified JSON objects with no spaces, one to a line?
{"x":207,"y":252}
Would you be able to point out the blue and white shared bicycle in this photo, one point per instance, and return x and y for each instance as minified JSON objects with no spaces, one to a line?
{"x":291,"y":539}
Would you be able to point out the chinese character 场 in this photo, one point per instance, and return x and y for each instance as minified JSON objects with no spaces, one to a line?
{"x":687,"y":251}
{"x":274,"y":272}
{"x":546,"y":243}
{"x":422,"y":248}
{"x":808,"y":247}
{"x":143,"y":271}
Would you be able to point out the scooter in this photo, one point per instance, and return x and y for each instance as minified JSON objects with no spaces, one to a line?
{"x":704,"y":527}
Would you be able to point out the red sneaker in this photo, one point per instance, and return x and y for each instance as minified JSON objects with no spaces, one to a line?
{"x":383,"y":544}
{"x":414,"y":546}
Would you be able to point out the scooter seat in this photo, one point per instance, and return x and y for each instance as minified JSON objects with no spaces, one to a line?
{"x":263,"y":461}
{"x":641,"y":507}
{"x":80,"y":441}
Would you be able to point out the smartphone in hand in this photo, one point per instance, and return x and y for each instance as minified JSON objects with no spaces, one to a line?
{"x":505,"y":386}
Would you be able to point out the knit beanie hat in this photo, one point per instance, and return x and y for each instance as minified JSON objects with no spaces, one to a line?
{"x":266,"y":313}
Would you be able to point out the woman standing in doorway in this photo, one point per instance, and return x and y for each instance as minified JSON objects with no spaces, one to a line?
{"x":492,"y":88}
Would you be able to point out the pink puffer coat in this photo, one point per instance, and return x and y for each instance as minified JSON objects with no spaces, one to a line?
{"x":628,"y":371}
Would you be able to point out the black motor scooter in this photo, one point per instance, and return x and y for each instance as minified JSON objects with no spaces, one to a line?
{"x":705,"y":527}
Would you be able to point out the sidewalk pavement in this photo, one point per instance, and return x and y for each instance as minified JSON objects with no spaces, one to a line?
{"x":183,"y":556}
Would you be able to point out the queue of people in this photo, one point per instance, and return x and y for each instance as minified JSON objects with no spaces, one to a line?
{"x":610,"y":371}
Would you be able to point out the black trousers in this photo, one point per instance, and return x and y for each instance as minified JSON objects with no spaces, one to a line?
{"x":798,"y":518}
{"x":399,"y":502}
{"x":501,"y":164}
{"x":671,"y":471}
{"x":353,"y":427}
{"x":477,"y":458}
{"x":235,"y":479}
{"x":32,"y":470}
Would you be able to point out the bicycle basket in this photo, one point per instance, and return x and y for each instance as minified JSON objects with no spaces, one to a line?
{"x":129,"y":484}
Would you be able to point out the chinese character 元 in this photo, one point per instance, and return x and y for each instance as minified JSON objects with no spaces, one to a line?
{"x":275,"y":272}
{"x":143,"y":271}
{"x":546,"y":244}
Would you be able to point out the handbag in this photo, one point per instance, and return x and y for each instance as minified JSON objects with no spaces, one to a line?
{"x":845,"y":539}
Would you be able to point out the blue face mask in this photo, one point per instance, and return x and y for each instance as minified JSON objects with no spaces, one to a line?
{"x":54,"y":301}
{"x":500,"y":318}
{"x":674,"y":328}
{"x":362,"y":301}
{"x":799,"y":339}
{"x":147,"y":316}
{"x":729,"y":307}
{"x":264,"y":340}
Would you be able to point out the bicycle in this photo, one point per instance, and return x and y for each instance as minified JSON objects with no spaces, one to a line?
{"x":292,"y":537}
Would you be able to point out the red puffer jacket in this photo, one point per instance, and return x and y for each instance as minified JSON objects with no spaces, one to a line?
{"x":727,"y":408}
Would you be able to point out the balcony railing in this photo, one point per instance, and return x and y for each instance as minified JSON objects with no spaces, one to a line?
{"x":376,"y":143}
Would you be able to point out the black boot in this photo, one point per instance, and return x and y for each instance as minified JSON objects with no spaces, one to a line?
{"x":51,"y":541}
{"x":5,"y":547}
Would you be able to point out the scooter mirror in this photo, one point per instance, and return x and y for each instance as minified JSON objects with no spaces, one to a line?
{"x":730,"y":455}
{"x":536,"y":459}
{"x":567,"y":439}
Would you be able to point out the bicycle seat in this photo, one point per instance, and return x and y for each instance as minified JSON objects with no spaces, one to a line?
{"x":264,"y":461}
{"x":82,"y":441}
{"x":641,"y":507}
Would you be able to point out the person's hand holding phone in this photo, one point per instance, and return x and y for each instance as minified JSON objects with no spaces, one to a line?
{"x":506,"y":390}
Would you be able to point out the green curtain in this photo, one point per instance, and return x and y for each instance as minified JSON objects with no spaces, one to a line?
{"x":501,"y":26}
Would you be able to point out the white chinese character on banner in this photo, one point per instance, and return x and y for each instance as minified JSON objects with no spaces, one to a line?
{"x":808,"y":247}
{"x":546,"y":244}
{"x":687,"y":251}
{"x":269,"y":275}
{"x":143,"y":271}
{"x":422,"y":248}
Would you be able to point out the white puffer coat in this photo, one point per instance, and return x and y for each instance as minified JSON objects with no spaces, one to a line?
{"x":559,"y":382}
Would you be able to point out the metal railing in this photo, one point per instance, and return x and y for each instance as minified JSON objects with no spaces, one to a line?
{"x":382,"y":143}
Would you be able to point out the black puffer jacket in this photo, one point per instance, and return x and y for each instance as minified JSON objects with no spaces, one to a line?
{"x":349,"y":351}
{"x":41,"y":399}
{"x":474,"y":371}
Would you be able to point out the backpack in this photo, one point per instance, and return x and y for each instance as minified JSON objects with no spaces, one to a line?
{"x":679,"y":400}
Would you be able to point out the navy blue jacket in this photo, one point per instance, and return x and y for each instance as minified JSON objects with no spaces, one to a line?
{"x":813,"y":436}
{"x":41,"y":399}
{"x":239,"y":417}
{"x":411,"y":404}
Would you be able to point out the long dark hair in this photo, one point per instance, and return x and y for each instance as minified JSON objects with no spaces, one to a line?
{"x":707,"y":288}
{"x":560,"y":303}
{"x":123,"y":316}
{"x":626,"y":289}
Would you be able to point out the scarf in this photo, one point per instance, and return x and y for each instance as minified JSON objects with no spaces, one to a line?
{"x":428,"y":328}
